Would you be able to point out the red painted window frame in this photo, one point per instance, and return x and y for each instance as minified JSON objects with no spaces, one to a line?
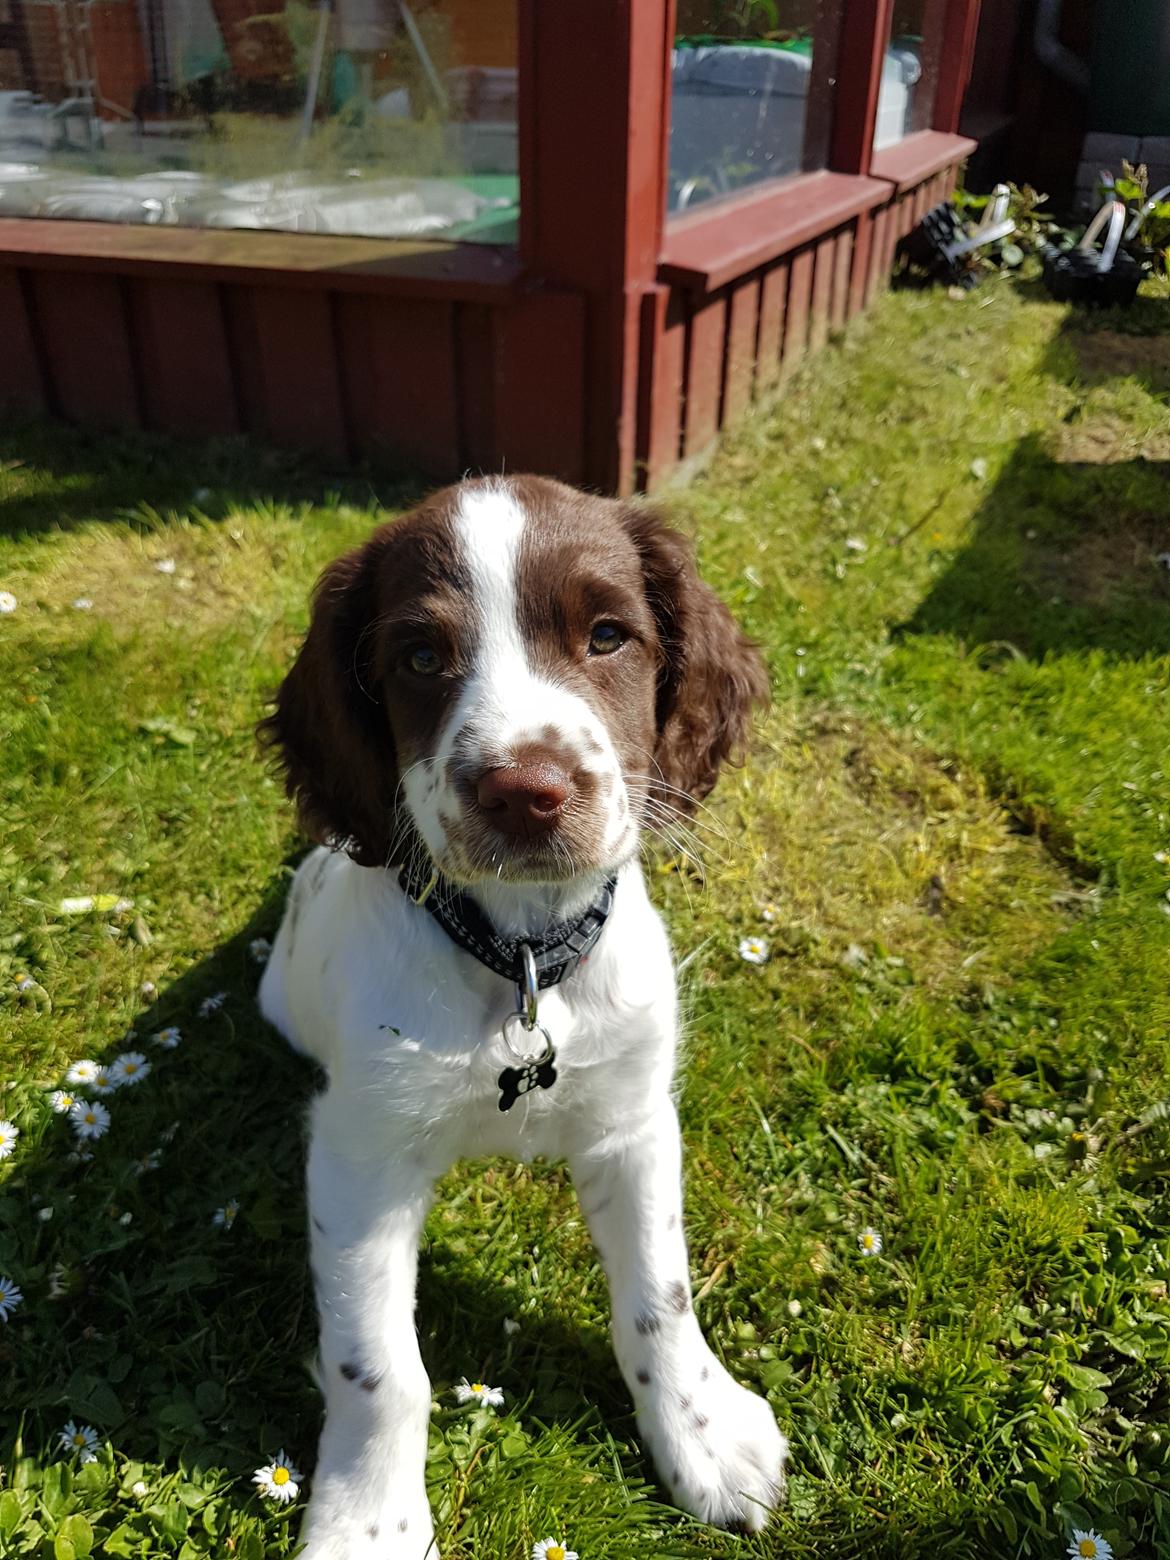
{"x":926,"y":152}
{"x":728,"y":239}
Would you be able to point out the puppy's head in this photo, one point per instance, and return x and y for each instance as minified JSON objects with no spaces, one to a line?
{"x":511,"y":674}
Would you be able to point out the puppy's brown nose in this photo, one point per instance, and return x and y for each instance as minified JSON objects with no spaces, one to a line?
{"x":524,"y":799}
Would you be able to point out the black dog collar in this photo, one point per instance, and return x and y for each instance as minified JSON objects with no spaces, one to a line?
{"x":556,"y":954}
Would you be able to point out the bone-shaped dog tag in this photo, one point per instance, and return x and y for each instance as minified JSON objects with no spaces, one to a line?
{"x":515,"y":1082}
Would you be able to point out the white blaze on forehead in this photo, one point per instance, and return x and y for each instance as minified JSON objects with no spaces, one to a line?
{"x":489,"y":525}
{"x":505,"y":702}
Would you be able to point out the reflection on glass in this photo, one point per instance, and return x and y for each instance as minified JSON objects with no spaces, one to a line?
{"x":392,"y":118}
{"x":910,"y":74}
{"x":752,"y":85}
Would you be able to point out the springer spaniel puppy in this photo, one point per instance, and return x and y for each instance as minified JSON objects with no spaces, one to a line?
{"x":496,"y":695}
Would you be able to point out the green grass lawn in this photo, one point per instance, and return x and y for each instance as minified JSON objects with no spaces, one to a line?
{"x":954,"y":830}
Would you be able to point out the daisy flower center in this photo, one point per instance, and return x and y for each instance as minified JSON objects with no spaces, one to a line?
{"x":1088,"y":1548}
{"x":280,"y":1476}
{"x":867,"y":1241}
{"x":90,"y":1118}
{"x":477,"y":1386}
{"x":78,"y":1439}
{"x":554,"y":1552}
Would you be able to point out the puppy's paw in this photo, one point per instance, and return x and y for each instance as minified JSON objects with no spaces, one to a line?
{"x":398,"y":1530}
{"x":718,"y":1450}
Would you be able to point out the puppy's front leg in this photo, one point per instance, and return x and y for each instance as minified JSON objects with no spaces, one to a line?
{"x":369,"y":1498}
{"x":715,"y":1444}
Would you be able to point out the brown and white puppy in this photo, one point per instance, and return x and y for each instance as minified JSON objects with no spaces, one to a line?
{"x":508,"y":685}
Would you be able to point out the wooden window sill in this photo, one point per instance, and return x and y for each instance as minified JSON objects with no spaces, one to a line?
{"x":918,"y":157}
{"x":723,"y":241}
{"x":472,"y":272}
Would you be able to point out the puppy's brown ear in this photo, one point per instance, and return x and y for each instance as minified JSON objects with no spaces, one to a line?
{"x":712,"y":677}
{"x":329,"y":729}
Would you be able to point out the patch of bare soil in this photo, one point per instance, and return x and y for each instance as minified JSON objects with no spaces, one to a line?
{"x":1107,"y":354}
{"x":1107,"y":565}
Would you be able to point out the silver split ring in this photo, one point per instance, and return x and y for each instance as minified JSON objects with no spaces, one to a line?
{"x":524,"y":1053}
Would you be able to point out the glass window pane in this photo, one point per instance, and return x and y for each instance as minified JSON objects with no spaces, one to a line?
{"x":752,"y":84}
{"x":910,"y":71}
{"x":377,"y":117}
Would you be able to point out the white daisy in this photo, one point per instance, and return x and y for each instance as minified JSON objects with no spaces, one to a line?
{"x":148,"y":991}
{"x":223,"y":1218}
{"x":61,"y":1101}
{"x":148,"y":1162}
{"x":768,"y":911}
{"x":479,"y":1392}
{"x":260,"y":948}
{"x":10,"y":1298}
{"x":168,"y":1038}
{"x":8,"y":1137}
{"x":46,"y":1213}
{"x":511,"y":1327}
{"x":552,"y":1549}
{"x":25,"y":983}
{"x":1090,"y":1546}
{"x":278,"y":1480}
{"x":165,"y":566}
{"x":81,"y":604}
{"x":130,"y":1067}
{"x":869,"y":1242}
{"x":82,"y":1072}
{"x":753,"y":950}
{"x":79,"y":1438}
{"x":7,"y":601}
{"x":212,"y":1004}
{"x":138,"y":1489}
{"x":90,"y":1119}
{"x":104,"y":1082}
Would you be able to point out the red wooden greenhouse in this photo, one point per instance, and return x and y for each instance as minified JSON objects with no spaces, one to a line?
{"x":570,"y":236}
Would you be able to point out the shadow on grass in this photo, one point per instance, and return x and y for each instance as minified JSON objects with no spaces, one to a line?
{"x":59,"y":478}
{"x":1064,"y":555}
{"x":1094,"y":346}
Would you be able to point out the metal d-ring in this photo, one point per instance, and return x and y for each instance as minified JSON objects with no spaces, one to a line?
{"x":529,"y":990}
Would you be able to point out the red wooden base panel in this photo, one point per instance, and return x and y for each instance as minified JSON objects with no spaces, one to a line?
{"x":22,"y":385}
{"x":707,"y":356}
{"x":436,"y":386}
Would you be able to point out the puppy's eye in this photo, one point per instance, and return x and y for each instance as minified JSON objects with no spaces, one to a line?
{"x":424,"y":661}
{"x":605,"y":639}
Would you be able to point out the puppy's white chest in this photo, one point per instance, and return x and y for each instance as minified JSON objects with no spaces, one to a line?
{"x":409,"y":1029}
